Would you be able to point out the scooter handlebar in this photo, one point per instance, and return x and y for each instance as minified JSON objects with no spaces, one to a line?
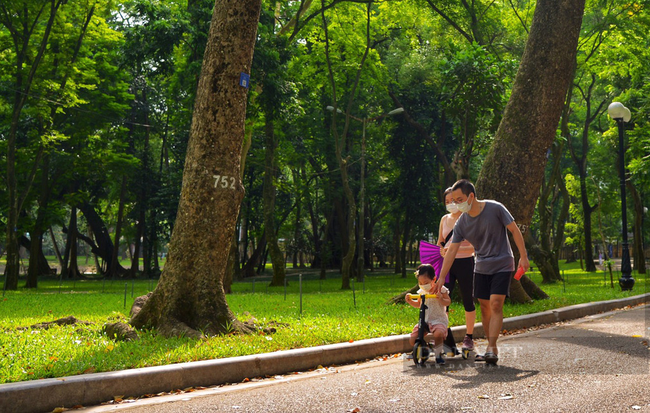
{"x":415,"y":296}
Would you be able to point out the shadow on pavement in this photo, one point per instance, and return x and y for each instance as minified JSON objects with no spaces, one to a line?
{"x":468,"y":373}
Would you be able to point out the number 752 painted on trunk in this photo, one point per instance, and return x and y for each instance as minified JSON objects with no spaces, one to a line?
{"x":226,"y":182}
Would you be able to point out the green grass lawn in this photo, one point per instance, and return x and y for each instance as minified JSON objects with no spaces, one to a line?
{"x":328,"y":315}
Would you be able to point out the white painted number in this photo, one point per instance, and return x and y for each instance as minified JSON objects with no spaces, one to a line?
{"x":226,"y":182}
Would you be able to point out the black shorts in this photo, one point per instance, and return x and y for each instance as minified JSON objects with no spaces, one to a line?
{"x":487,"y":284}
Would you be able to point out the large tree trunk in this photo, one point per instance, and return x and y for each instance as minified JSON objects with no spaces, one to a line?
{"x":103,"y":245}
{"x":637,"y":245}
{"x":189,"y":297}
{"x":36,"y":266}
{"x":269,"y":193}
{"x":35,"y":251}
{"x":41,"y":265}
{"x":71,"y":269}
{"x":587,"y":210}
{"x":514,"y":167}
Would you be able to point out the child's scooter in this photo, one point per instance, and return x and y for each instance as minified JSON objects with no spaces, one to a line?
{"x":421,"y":349}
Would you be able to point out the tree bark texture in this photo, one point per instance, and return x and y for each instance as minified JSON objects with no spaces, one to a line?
{"x":190,"y":297}
{"x":514,"y":167}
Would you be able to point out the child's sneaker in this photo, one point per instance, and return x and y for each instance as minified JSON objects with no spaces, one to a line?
{"x":440,"y":360}
{"x":468,"y":343}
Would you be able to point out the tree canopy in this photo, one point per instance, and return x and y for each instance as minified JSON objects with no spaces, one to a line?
{"x":97,"y":101}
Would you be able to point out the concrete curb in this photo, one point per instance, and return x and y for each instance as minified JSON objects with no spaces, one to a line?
{"x":92,"y":389}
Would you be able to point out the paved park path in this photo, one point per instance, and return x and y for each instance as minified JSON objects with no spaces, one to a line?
{"x":593,"y":364}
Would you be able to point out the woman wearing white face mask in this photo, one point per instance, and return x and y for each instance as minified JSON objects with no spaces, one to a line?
{"x":462,"y":271}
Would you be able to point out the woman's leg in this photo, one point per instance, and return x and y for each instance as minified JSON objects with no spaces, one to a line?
{"x":463,"y":270}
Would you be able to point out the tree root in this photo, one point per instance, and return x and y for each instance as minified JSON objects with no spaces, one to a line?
{"x":120,"y":332}
{"x":65,"y":321}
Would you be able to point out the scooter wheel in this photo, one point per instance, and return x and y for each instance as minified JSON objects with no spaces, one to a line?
{"x":421,"y":353}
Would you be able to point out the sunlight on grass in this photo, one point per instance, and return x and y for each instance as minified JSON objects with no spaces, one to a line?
{"x":329,"y":315}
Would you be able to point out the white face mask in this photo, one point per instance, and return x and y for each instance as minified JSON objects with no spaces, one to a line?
{"x":452,"y":208}
{"x":425,"y":287}
{"x":464,"y":206}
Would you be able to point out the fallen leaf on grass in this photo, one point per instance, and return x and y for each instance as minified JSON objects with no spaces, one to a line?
{"x":59,"y":410}
{"x":484,"y":396}
{"x":506,"y":397}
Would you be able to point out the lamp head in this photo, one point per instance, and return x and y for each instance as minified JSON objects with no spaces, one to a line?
{"x":616,"y":110}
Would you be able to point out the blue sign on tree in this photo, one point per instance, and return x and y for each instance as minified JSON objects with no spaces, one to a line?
{"x":244,"y":80}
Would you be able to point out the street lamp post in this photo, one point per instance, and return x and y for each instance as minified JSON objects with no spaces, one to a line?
{"x":362,"y":184}
{"x":621,"y":115}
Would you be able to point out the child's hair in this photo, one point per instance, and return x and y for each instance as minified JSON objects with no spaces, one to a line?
{"x":465,"y":186}
{"x":447,"y":191}
{"x":426,"y":269}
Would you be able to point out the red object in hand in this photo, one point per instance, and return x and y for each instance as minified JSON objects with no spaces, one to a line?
{"x":520,"y":272}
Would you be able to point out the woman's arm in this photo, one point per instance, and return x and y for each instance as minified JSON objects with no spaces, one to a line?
{"x":441,"y":237}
